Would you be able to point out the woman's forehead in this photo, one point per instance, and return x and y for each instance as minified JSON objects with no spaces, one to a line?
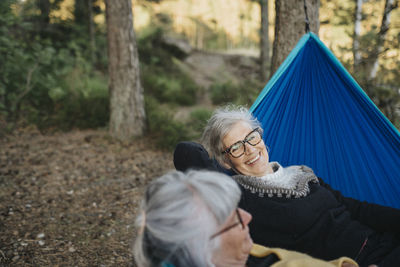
{"x":238,"y":132}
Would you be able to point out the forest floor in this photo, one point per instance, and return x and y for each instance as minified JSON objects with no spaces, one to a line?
{"x":70,"y":199}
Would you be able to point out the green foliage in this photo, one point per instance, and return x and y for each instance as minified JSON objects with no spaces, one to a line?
{"x":162,"y":77}
{"x":343,"y":13}
{"x":27,"y":71}
{"x":50,"y":87}
{"x":198,"y":120}
{"x":384,"y":89}
{"x":243,"y":94}
{"x":166,"y":131}
{"x":149,"y":43}
{"x":172,"y":88}
{"x":222,"y":93}
{"x":47,"y":75}
{"x":165,"y":85}
{"x":81,"y":102}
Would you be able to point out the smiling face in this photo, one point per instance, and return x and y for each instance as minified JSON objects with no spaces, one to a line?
{"x":254,"y":162}
{"x":236,"y":243}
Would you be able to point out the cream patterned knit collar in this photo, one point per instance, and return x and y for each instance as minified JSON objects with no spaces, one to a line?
{"x":289,"y":182}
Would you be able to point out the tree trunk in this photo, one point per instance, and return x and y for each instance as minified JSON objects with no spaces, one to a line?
{"x":372,"y":64}
{"x":81,"y":13}
{"x":264,"y":40}
{"x":290,"y":26}
{"x":127,"y":118}
{"x":91,"y":32}
{"x":356,"y":36}
{"x":44,"y":17}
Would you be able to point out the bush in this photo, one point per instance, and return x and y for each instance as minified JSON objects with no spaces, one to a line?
{"x":177,"y":89}
{"x":222,"y":93}
{"x":85,"y":106}
{"x":79,"y":101}
{"x":48,"y":86}
{"x":198,"y":120}
{"x":165,"y":130}
{"x":20,"y":68}
{"x":161,"y":75}
{"x":47,"y":76}
{"x":244,"y":93}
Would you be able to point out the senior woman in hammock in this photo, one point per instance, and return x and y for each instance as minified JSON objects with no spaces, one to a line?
{"x":192,"y":220}
{"x":291,"y":207}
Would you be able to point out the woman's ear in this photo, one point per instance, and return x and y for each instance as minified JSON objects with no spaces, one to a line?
{"x":227,"y":164}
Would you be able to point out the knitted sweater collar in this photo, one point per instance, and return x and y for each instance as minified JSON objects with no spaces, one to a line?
{"x":291,"y":182}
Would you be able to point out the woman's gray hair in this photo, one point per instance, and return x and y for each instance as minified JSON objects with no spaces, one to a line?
{"x":179,"y":213}
{"x":221,"y":122}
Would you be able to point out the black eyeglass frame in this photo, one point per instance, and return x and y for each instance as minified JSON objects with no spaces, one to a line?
{"x":244,"y":141}
{"x":226,"y":229}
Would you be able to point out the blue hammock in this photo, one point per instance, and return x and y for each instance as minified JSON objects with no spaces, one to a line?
{"x":314,"y":113}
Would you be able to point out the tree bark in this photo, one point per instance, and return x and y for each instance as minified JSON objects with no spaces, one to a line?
{"x":290,"y":26}
{"x":81,"y":12}
{"x":372,"y":65}
{"x":356,"y":35}
{"x":91,"y":32}
{"x":44,"y":7}
{"x":264,"y":40}
{"x":127,"y":115}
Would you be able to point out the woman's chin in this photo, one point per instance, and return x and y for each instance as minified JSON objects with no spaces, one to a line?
{"x":248,"y":245}
{"x":258,"y":170}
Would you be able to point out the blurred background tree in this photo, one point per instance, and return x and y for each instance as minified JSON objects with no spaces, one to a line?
{"x":373,"y":29}
{"x":127,"y":116}
{"x":290,"y":26}
{"x":264,"y":40}
{"x":54,"y":63}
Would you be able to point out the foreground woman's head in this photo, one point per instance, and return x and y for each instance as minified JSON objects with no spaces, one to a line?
{"x":191,"y":219}
{"x":234,"y":138}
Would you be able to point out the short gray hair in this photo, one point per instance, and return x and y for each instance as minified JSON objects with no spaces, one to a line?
{"x":220,"y":123}
{"x":179,"y":213}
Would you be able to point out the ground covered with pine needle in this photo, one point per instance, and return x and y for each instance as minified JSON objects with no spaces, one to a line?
{"x":70,"y":199}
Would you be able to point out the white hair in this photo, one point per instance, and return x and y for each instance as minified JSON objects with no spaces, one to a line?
{"x":179,"y":214}
{"x":221,"y":122}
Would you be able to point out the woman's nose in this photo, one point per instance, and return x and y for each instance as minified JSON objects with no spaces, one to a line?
{"x":249,"y":148}
{"x":246,"y":217}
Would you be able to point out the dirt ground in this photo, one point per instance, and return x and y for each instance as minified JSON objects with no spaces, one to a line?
{"x":70,"y":199}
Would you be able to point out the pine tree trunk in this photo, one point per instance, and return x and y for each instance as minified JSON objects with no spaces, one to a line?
{"x":44,"y":17}
{"x":290,"y":26}
{"x":81,"y":13}
{"x":356,"y":36}
{"x":372,"y":65}
{"x":127,"y":118}
{"x":264,"y":40}
{"x":91,"y":32}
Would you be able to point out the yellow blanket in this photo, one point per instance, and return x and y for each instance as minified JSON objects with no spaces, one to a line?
{"x":296,"y":259}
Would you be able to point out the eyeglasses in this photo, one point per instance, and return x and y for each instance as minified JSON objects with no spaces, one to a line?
{"x":226,"y":229}
{"x":239,"y":148}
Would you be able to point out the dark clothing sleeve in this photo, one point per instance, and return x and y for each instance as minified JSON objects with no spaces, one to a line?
{"x":192,"y":155}
{"x":262,"y":262}
{"x":380,"y":218}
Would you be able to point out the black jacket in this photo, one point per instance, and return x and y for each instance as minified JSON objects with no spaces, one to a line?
{"x":262,"y":262}
{"x":324,"y":224}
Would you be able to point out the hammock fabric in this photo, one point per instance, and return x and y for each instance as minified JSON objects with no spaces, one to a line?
{"x":314,"y":113}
